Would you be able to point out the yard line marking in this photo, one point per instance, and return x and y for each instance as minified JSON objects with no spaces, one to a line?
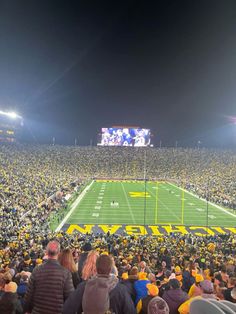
{"x":75,"y":204}
{"x":97,"y":207}
{"x":191,"y":204}
{"x":217,"y":206}
{"x":100,"y":197}
{"x":171,"y":212}
{"x":212,"y":216}
{"x":130,"y":210}
{"x":200,"y":209}
{"x":95,"y":215}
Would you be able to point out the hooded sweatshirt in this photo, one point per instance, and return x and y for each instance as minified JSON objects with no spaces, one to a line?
{"x":174,"y":298}
{"x":120,"y":301}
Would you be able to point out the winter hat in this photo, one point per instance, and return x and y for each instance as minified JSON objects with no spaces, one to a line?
{"x":158,"y":306}
{"x":125,"y":276}
{"x":152,"y":289}
{"x":199,"y":278}
{"x":39,"y":261}
{"x":87,"y":247}
{"x":142,"y":276}
{"x":10,"y":287}
{"x":207,"y":286}
{"x":177,"y":270}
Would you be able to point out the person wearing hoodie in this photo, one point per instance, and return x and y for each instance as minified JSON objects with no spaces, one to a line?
{"x":128,"y":281}
{"x":175,"y":296}
{"x":140,"y":287}
{"x":89,"y":295}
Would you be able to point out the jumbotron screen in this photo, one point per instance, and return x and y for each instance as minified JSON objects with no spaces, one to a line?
{"x":125,"y":137}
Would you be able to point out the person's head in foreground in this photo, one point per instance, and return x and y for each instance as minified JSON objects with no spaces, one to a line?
{"x":158,"y":306}
{"x":53,"y":249}
{"x":104,"y":265}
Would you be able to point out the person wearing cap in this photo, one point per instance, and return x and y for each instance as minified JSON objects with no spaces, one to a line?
{"x":175,"y":296}
{"x":142,"y":305}
{"x":195,"y":289}
{"x":9,"y":303}
{"x":178,"y":273}
{"x":49,"y":286}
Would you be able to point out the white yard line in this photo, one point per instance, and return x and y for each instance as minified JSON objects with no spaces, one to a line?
{"x":130,"y":210}
{"x":217,"y":206}
{"x":75,"y":204}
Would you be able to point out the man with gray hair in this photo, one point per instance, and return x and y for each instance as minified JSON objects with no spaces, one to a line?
{"x":49,"y":286}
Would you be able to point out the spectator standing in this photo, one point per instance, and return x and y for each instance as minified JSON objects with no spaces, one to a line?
{"x":9,"y":303}
{"x":66,"y":260}
{"x":82,"y":258}
{"x":175,"y":296}
{"x":89,"y":267}
{"x":140,"y":287}
{"x":89,"y":296}
{"x":49,"y":286}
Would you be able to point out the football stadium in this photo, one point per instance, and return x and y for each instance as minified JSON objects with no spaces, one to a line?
{"x":158,"y":213}
{"x":118,"y":157}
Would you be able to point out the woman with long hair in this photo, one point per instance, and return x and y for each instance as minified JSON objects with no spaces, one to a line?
{"x":89,"y":268}
{"x":66,"y":260}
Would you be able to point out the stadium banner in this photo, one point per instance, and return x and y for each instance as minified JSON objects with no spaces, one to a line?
{"x":154,"y":230}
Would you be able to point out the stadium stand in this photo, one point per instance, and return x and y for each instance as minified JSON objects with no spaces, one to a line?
{"x":35,"y":179}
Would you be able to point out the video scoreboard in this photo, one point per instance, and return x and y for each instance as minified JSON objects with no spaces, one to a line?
{"x":125,"y":136}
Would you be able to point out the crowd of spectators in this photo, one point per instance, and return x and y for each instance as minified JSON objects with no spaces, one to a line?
{"x":34,"y":181}
{"x":177,"y":268}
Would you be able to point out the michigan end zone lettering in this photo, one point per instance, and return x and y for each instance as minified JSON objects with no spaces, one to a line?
{"x":155,"y":230}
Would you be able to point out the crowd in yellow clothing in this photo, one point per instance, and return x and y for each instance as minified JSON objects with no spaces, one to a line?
{"x":35,"y":179}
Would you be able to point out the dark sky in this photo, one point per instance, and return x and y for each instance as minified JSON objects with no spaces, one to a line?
{"x":72,"y":67}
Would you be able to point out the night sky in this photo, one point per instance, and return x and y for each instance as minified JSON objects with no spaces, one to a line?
{"x":72,"y":67}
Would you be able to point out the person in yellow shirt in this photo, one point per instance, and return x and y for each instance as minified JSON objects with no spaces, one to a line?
{"x":195,"y":289}
{"x":178,"y":273}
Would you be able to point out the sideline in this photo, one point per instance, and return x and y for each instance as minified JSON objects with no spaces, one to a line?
{"x":217,"y":206}
{"x":75,"y":204}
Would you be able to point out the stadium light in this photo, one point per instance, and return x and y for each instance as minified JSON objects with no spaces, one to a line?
{"x":12,"y":114}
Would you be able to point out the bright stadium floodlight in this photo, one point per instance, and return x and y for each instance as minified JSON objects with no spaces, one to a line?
{"x":12,"y":115}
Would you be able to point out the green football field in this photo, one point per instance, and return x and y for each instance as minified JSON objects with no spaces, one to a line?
{"x":137,"y":203}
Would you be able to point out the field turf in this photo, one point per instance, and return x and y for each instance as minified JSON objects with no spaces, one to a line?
{"x":124,"y":202}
